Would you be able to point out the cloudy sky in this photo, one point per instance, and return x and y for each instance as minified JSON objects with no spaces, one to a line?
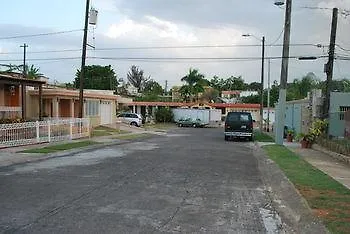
{"x":131,"y":29}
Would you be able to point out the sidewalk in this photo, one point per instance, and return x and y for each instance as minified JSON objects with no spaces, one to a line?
{"x":324,"y":162}
{"x":13,"y":155}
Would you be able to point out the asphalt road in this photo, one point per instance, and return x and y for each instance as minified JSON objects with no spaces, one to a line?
{"x":188,"y":181}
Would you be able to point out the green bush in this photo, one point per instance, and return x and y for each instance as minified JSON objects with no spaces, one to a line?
{"x":164,"y":115}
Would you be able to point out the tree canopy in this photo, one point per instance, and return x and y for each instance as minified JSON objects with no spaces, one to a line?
{"x":195,"y":83}
{"x":136,"y":78}
{"x":97,"y":77}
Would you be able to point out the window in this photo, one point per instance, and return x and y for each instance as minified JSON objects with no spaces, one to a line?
{"x":342,"y":110}
{"x":92,"y":108}
{"x":245,"y":118}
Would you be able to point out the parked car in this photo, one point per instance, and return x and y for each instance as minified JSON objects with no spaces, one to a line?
{"x":239,"y":125}
{"x":130,"y":118}
{"x":190,"y":123}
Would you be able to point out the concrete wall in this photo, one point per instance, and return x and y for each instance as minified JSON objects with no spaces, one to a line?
{"x":336,"y":125}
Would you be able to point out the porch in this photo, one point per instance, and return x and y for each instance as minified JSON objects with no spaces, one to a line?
{"x":13,"y":96}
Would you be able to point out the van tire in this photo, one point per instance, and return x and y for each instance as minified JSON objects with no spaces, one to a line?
{"x":250,"y":138}
{"x":134,"y":124}
{"x":226,"y":138}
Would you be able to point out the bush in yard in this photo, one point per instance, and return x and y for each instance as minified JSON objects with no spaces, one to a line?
{"x":164,"y":115}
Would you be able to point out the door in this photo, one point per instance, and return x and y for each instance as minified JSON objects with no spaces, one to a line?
{"x":106,"y":112}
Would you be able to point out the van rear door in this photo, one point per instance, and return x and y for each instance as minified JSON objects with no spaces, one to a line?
{"x":239,"y":122}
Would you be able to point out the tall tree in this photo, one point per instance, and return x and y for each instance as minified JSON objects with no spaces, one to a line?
{"x":97,"y":77}
{"x":136,"y":78}
{"x":195,"y":83}
{"x":32,"y":72}
{"x":152,"y":87}
{"x":254,"y":86}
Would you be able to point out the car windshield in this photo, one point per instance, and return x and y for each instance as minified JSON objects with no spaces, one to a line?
{"x":243,"y":117}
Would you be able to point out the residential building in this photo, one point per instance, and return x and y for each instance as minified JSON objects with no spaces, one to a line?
{"x":99,"y":105}
{"x":339,"y":105}
{"x":148,"y":108}
{"x":13,"y":95}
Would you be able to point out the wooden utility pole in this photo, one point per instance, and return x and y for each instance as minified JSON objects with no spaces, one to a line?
{"x":262,"y":84}
{"x":330,"y":64}
{"x":83,"y":58}
{"x":23,"y":86}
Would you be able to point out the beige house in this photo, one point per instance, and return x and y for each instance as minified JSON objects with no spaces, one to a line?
{"x":99,"y":105}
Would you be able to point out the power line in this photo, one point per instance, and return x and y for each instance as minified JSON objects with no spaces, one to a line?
{"x":342,"y":48}
{"x":40,"y":34}
{"x":159,"y":47}
{"x":279,"y":36}
{"x":163,"y":58}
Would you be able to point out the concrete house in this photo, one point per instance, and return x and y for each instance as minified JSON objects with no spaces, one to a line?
{"x":99,"y":105}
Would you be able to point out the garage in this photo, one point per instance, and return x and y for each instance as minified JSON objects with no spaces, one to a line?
{"x":106,"y":112}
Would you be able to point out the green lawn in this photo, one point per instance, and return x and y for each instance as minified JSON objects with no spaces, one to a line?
{"x":106,"y":131}
{"x":262,"y":137}
{"x":60,"y":147}
{"x":328,"y":199}
{"x":162,"y":126}
{"x":131,"y":136}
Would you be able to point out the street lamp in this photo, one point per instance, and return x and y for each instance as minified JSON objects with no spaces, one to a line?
{"x":280,"y":120}
{"x":262,"y":77}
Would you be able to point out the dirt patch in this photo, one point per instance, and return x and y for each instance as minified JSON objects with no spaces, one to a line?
{"x":320,"y":213}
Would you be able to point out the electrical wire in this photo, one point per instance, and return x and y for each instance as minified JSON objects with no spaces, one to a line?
{"x":279,"y":36}
{"x":155,"y":59}
{"x":156,"y":48}
{"x":40,"y":34}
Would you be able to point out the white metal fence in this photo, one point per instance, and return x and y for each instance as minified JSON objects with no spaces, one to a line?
{"x":43,"y":131}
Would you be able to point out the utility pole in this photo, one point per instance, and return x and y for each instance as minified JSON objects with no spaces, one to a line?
{"x":166,"y":87}
{"x":330,"y":64}
{"x":262,"y":84}
{"x":280,"y":120}
{"x":268,"y":96}
{"x":83,"y":58}
{"x":23,"y":87}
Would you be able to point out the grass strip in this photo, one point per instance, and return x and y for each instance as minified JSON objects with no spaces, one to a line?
{"x":60,"y":147}
{"x":328,"y":199}
{"x":262,"y":137}
{"x":132,"y":136}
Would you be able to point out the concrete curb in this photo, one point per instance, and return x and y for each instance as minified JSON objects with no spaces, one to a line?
{"x":286,"y":199}
{"x":337,"y":156}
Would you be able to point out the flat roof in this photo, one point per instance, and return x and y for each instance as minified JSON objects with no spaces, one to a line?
{"x":181,"y":104}
{"x":5,"y":78}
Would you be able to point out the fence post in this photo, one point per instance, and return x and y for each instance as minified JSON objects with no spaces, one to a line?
{"x":71,"y":129}
{"x":88,"y":127}
{"x":80,"y":127}
{"x":49,"y":130}
{"x":37,"y":131}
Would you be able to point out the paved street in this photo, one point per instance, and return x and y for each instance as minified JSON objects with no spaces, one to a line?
{"x":189,"y":180}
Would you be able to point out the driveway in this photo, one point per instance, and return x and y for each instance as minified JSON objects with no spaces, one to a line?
{"x":189,"y":180}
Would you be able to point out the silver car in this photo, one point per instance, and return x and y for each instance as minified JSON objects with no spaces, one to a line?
{"x":130,"y":118}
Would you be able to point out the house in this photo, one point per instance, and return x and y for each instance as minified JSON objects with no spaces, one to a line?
{"x":99,"y":105}
{"x":234,"y":96}
{"x":148,"y":108}
{"x":300,"y":114}
{"x":339,"y":105}
{"x":13,"y":90}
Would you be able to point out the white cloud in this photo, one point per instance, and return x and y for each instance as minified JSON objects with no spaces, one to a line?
{"x":152,"y":27}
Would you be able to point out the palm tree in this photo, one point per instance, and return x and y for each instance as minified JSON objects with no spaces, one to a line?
{"x":32,"y":72}
{"x":195,"y":83}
